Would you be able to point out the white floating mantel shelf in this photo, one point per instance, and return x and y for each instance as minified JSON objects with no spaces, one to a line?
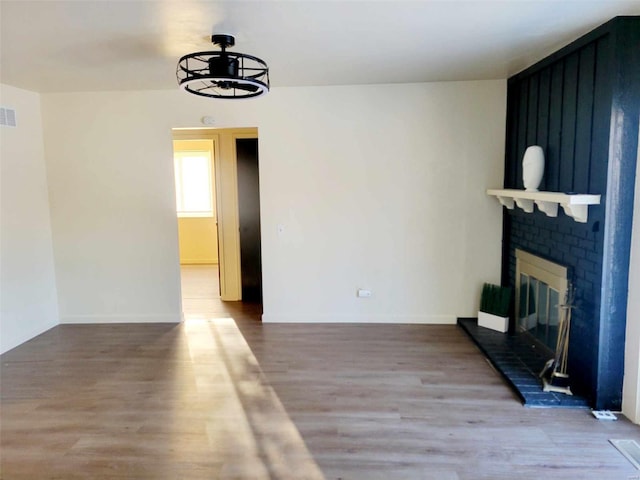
{"x":574,"y":205}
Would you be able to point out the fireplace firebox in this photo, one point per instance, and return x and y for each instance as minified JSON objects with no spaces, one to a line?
{"x":541,"y":289}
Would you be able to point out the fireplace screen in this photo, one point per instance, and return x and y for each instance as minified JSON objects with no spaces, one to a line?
{"x":541,"y":288}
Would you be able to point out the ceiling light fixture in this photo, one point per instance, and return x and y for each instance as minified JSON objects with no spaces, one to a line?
{"x":223,"y":74}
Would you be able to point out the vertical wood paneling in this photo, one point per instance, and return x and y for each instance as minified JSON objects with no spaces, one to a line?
{"x":543,"y":116}
{"x":523,"y":112}
{"x":552,"y":168}
{"x":601,"y":118}
{"x":584,"y":119}
{"x":532,"y":111}
{"x":567,"y":143}
{"x":554,"y":108}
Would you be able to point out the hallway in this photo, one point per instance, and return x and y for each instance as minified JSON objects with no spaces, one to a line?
{"x":201,"y":295}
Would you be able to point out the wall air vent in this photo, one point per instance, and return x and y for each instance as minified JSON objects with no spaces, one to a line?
{"x":7,"y":117}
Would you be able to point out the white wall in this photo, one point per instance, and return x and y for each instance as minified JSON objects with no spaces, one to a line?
{"x":631,"y":387}
{"x":27,"y":281}
{"x":110,"y":173}
{"x":380,"y":187}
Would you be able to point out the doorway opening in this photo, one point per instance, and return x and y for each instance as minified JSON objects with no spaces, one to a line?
{"x":249,"y":218}
{"x":219,"y":228}
{"x":194,"y":167}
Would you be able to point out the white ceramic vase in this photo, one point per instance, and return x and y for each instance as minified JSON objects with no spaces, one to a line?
{"x":532,"y":168}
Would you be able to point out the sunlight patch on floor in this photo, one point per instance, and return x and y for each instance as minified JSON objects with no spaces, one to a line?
{"x":246,"y":420}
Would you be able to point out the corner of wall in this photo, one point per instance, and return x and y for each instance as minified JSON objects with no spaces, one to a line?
{"x":27,"y":275}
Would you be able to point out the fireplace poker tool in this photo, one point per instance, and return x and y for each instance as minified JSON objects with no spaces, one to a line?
{"x":554,"y":374}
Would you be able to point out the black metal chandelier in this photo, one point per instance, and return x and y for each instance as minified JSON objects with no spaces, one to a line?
{"x":223,"y":74}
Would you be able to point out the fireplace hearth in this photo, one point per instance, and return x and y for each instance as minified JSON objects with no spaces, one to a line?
{"x":519,"y":359}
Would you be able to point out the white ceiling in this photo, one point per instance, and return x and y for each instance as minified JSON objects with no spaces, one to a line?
{"x":84,"y":45}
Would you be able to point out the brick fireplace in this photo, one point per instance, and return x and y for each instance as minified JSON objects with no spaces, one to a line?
{"x":582,"y":105}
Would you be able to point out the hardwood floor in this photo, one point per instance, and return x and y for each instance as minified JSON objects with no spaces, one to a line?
{"x":200,"y":282}
{"x":222,"y":396}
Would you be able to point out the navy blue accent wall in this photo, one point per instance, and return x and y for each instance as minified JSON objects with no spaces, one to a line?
{"x":581,"y":105}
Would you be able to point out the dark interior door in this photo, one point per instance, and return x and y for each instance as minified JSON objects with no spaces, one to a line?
{"x":249,"y":213}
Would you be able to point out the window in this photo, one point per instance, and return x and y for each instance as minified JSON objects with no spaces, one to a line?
{"x":193,"y":184}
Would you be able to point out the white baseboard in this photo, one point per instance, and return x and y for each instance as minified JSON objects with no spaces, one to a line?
{"x":133,"y":318}
{"x":337,"y":318}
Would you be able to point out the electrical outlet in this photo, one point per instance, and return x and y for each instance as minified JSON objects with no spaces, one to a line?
{"x":362,"y":293}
